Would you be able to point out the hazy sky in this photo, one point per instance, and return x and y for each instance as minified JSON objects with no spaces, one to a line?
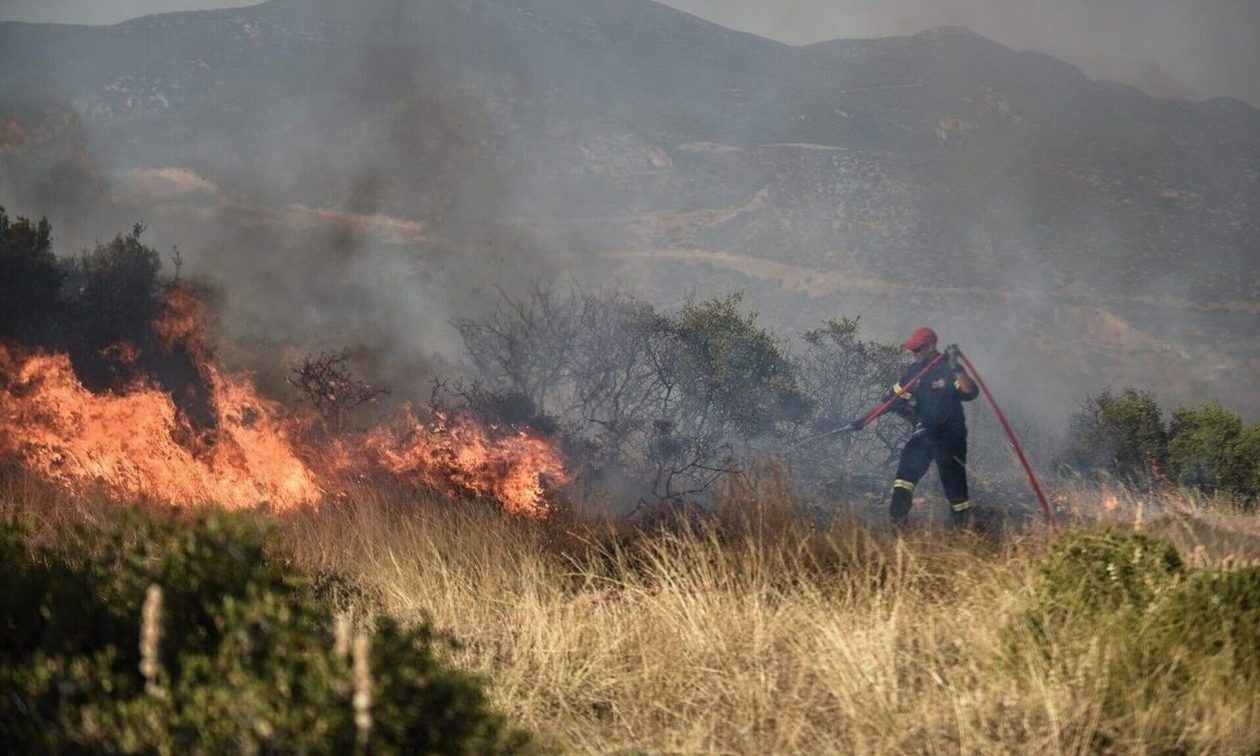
{"x":1172,"y":48}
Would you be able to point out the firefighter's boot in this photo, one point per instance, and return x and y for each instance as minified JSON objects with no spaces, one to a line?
{"x":902,"y":500}
{"x":960,"y":514}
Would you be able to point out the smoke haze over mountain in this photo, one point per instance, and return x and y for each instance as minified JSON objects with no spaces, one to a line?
{"x":1168,"y":48}
{"x":362,"y":173}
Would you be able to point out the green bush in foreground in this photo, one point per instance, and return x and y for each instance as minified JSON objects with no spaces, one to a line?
{"x":1214,"y":613}
{"x":1123,"y":610}
{"x":240,"y":654}
{"x":1089,"y":574}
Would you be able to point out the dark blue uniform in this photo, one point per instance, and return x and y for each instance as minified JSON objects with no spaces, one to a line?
{"x":934,"y":405}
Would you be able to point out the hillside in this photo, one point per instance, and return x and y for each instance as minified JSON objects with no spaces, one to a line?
{"x":969,"y":182}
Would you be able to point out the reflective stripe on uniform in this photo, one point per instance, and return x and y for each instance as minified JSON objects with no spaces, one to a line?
{"x":958,"y":384}
{"x":899,"y":483}
{"x":960,"y":506}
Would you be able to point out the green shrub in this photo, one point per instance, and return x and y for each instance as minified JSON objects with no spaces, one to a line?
{"x":1090,"y":574}
{"x":1210,"y":450}
{"x":248,"y":657}
{"x":1121,"y":434}
{"x":1122,"y":615}
{"x":1249,"y":450}
{"x":1213,"y":614}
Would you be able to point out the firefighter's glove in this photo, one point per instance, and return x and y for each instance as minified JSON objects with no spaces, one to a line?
{"x":955,"y":358}
{"x":856,"y":425}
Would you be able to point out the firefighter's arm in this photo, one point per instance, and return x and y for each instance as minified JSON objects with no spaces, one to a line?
{"x":963,"y":383}
{"x":900,"y":403}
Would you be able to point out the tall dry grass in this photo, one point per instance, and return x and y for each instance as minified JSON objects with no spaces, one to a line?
{"x":756,"y":631}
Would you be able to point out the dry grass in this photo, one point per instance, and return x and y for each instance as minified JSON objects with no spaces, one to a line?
{"x":754,"y":632}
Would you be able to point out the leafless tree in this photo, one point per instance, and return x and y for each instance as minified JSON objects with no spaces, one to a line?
{"x":328,"y":383}
{"x":670,"y":399}
{"x":845,"y":376}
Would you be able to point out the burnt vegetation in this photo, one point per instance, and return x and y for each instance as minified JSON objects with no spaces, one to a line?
{"x":327,"y":382}
{"x":100,"y":308}
{"x":652,"y":406}
{"x":662,"y":405}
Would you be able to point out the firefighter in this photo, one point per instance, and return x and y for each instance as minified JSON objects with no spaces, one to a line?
{"x":934,"y":405}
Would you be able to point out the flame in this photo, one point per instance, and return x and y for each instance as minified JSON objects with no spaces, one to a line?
{"x":1110,"y":502}
{"x":458,"y":455}
{"x":136,"y":442}
{"x":129,"y":444}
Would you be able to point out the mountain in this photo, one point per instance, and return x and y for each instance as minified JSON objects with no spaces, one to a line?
{"x":906,"y":173}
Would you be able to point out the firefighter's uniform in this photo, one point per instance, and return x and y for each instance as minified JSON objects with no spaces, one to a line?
{"x":934,"y":405}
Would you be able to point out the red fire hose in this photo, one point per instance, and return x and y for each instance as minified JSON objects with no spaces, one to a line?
{"x":883,"y":406}
{"x":1019,"y":450}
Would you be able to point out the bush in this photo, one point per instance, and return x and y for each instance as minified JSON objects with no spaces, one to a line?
{"x":1092,"y":574}
{"x":248,"y":656}
{"x":29,"y":280}
{"x":1212,"y":451}
{"x":1122,"y":435}
{"x":1213,"y":614}
{"x":1123,"y":611}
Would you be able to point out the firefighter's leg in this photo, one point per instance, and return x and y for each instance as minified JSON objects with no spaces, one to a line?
{"x":915,"y":459}
{"x":951,"y":463}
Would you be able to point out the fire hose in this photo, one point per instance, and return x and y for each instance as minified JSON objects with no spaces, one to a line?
{"x":1015,"y":445}
{"x":884,"y":406}
{"x":876,"y":411}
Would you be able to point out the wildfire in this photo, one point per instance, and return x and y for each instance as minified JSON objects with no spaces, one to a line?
{"x":459,"y":456}
{"x":136,"y":444}
{"x":139,"y":441}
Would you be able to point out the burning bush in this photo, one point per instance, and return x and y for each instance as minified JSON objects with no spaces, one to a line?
{"x":166,"y":635}
{"x":128,"y":397}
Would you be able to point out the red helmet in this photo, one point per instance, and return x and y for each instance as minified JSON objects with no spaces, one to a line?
{"x":920,"y":338}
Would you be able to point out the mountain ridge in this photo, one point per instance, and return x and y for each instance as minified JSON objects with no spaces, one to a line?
{"x":940,"y":159}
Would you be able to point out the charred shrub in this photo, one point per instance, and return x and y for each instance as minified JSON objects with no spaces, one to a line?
{"x":1120,"y":434}
{"x":327,"y":382}
{"x":665,"y":401}
{"x":165,"y":634}
{"x":844,"y":375}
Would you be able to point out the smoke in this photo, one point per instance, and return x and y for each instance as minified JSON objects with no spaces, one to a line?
{"x":368,"y":195}
{"x":1167,"y":48}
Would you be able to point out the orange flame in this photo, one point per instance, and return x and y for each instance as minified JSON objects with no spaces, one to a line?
{"x":129,"y":444}
{"x":137,"y":443}
{"x":461,"y":457}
